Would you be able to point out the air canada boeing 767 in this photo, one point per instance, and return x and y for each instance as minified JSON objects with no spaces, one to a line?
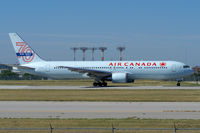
{"x":100,"y":71}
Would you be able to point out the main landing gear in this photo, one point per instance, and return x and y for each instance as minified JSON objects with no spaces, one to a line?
{"x":100,"y":84}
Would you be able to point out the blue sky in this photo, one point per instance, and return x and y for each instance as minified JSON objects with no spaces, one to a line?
{"x":149,"y":29}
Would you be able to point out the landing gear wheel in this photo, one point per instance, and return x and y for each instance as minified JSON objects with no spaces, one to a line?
{"x":95,"y":84}
{"x":100,"y":84}
{"x":178,"y":84}
{"x":104,"y":84}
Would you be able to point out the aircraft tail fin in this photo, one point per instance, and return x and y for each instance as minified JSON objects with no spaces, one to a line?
{"x":25,"y":54}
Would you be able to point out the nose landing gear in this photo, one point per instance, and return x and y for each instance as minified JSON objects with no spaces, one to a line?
{"x":179,"y":83}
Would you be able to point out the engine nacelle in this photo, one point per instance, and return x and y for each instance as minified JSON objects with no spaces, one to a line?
{"x":121,"y":78}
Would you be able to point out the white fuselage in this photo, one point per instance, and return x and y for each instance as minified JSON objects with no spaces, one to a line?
{"x":136,"y":69}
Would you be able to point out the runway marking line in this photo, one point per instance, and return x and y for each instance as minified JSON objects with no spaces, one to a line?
{"x":182,"y":111}
{"x":81,"y":111}
{"x":99,"y":111}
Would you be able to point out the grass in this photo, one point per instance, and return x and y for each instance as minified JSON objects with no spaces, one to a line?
{"x":101,"y":95}
{"x":98,"y":123}
{"x":89,"y":83}
{"x":97,"y":95}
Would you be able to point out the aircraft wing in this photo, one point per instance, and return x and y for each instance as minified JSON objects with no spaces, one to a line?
{"x":90,"y":72}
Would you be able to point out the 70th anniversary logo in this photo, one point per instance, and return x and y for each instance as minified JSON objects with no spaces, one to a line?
{"x":25,"y":52}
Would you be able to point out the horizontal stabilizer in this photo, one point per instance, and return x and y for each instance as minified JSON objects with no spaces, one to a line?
{"x":20,"y":67}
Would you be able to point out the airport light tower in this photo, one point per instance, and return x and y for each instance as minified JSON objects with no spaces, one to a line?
{"x":121,"y":49}
{"x":102,"y":52}
{"x":83,"y":49}
{"x":93,"y":49}
{"x":74,"y":49}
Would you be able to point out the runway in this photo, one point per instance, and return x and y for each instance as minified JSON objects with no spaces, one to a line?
{"x":90,"y":87}
{"x":154,"y":110}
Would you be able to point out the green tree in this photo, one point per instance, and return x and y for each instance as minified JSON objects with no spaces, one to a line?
{"x":9,"y":75}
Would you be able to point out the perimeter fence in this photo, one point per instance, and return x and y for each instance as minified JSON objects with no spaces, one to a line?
{"x":99,"y":130}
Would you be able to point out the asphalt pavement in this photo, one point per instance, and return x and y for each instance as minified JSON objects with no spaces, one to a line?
{"x":154,"y":110}
{"x":91,"y":87}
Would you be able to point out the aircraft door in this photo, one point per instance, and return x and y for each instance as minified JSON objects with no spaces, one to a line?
{"x":47,"y":68}
{"x":174,"y":68}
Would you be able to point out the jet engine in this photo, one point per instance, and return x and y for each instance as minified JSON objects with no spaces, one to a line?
{"x":121,"y":78}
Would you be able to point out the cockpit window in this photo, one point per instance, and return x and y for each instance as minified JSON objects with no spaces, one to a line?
{"x":186,"y":66}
